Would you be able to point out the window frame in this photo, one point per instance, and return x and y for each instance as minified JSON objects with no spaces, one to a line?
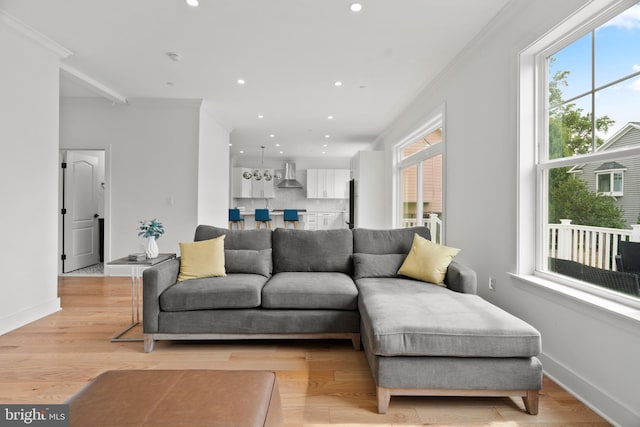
{"x":612,"y":191}
{"x":533,"y":160}
{"x":435,"y":120}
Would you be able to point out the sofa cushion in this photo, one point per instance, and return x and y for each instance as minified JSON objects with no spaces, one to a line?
{"x":312,"y":250}
{"x":310,"y":291}
{"x":248,"y":261}
{"x":427,"y":261}
{"x":232,"y":291}
{"x":236,"y":239}
{"x":403,"y":317}
{"x":396,"y":241}
{"x":202,"y":259}
{"x":377,"y":265}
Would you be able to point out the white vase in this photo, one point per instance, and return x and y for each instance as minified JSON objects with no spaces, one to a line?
{"x":152,"y":247}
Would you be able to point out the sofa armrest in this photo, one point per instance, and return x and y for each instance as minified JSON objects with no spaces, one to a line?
{"x":155,"y":280}
{"x":461,"y":278}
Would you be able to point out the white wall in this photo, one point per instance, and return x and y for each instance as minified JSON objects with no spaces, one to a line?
{"x":213,"y":171}
{"x":592,"y":352}
{"x":28,"y":179}
{"x":152,"y":165}
{"x":368,"y":171}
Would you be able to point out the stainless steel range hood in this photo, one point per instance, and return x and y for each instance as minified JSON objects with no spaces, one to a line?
{"x":289,"y":180}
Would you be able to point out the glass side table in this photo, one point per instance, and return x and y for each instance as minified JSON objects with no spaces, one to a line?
{"x":137,"y":267}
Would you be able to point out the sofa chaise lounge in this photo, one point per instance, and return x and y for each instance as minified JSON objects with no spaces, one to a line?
{"x":419,"y":338}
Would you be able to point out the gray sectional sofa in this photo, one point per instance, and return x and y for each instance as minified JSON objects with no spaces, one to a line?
{"x":419,"y":338}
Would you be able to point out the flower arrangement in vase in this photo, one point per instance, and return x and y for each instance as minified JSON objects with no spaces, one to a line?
{"x":151,"y":230}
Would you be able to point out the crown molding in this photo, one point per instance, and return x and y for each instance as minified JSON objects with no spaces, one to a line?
{"x":93,"y":85}
{"x":33,"y":34}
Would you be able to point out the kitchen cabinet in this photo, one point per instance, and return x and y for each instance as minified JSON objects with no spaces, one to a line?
{"x":241,"y":187}
{"x":251,"y":188}
{"x":328,"y":220}
{"x":311,"y":221}
{"x":263,"y":188}
{"x":312,"y":184}
{"x":328,"y":183}
{"x":324,"y":220}
{"x":341,"y":183}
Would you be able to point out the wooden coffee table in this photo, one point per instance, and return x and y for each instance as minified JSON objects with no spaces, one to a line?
{"x":178,"y":398}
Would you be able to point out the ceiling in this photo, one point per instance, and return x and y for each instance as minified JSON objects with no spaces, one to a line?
{"x":289,"y":52}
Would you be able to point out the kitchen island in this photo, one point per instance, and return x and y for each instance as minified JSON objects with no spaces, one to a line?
{"x":309,"y":220}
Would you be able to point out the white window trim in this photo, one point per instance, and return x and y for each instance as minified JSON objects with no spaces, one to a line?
{"x":611,"y":174}
{"x":435,"y":120}
{"x":530,"y":201}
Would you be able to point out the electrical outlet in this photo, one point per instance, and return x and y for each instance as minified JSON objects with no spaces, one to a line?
{"x":492,"y":284}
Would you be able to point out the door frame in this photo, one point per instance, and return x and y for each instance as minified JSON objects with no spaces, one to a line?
{"x":107,"y":201}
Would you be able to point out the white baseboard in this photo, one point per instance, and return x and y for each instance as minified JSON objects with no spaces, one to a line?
{"x":600,"y":402}
{"x":16,"y":320}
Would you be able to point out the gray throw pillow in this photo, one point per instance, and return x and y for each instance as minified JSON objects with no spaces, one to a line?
{"x":248,"y":261}
{"x":374,"y":265}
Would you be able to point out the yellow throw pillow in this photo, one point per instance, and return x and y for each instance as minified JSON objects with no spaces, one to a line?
{"x":427,"y":261}
{"x":202,"y":259}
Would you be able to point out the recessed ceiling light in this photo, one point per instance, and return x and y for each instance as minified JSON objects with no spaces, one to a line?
{"x":277,"y":145}
{"x":241,"y":151}
{"x":330,"y":117}
{"x":260,"y":116}
{"x":241,"y":81}
{"x":282,"y":152}
{"x":230,"y":144}
{"x":192,"y":3}
{"x":338,"y":83}
{"x":272,"y":136}
{"x":324,"y":152}
{"x":327,"y":136}
{"x":355,"y":7}
{"x":325,"y":145}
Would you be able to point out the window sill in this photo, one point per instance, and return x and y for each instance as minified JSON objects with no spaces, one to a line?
{"x":628,"y":312}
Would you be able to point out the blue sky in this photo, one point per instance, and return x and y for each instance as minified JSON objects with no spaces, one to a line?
{"x":617,"y":55}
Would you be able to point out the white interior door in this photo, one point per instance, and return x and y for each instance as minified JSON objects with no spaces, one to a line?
{"x":81,"y":245}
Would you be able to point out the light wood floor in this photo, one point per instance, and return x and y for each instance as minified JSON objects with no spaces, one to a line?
{"x":321,"y":382}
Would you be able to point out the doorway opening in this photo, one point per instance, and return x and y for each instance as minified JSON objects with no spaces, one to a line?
{"x":82,"y":212}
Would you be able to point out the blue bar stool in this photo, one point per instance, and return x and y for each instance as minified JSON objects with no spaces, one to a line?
{"x":235,"y":218}
{"x":291,"y":217}
{"x":262,"y":217}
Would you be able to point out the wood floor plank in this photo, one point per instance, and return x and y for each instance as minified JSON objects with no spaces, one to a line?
{"x":322,"y":382}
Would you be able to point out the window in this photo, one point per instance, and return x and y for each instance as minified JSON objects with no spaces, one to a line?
{"x":586,"y":129}
{"x":419,"y":176}
{"x":610,"y":183}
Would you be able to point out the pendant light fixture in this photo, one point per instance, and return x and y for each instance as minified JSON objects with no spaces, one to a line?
{"x":257,"y":174}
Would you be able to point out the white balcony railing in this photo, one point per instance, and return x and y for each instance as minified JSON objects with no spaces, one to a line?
{"x":593,"y":246}
{"x":433,"y":223}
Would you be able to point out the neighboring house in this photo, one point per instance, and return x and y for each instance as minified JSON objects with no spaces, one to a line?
{"x":620,"y":180}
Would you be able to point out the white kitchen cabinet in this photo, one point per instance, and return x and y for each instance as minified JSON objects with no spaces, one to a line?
{"x":312,"y":184}
{"x":324,"y":220}
{"x":328,"y":183}
{"x":251,"y":188}
{"x":263,"y":188}
{"x":311,"y":221}
{"x":341,"y":183}
{"x":241,"y":187}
